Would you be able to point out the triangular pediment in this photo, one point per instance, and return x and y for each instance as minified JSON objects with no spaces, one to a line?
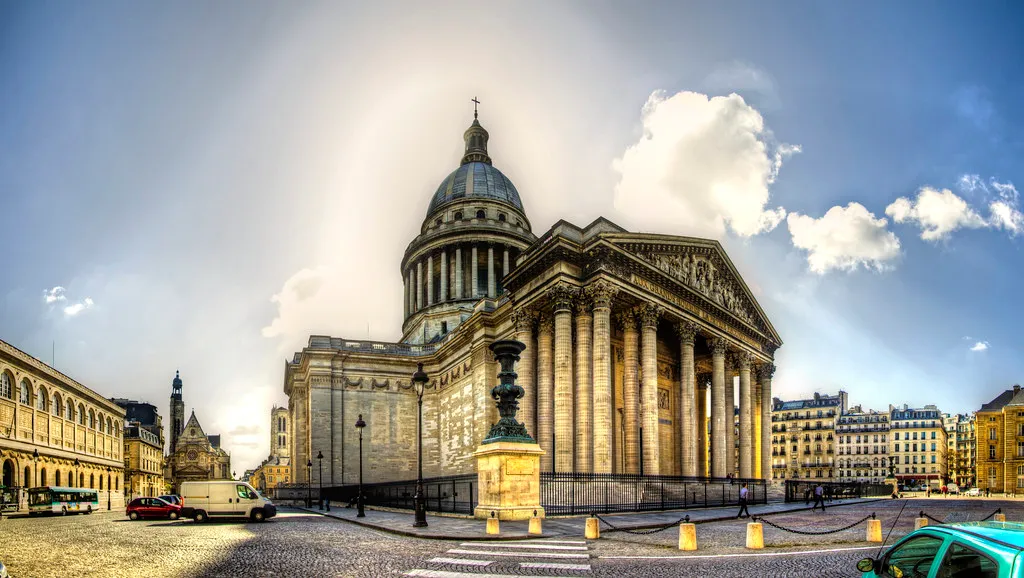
{"x":702,"y":266}
{"x":193,"y":432}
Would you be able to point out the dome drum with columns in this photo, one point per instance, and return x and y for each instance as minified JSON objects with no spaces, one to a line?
{"x":641,"y":349}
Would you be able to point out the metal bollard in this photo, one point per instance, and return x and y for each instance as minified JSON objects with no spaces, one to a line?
{"x":755,"y":536}
{"x":875,"y":531}
{"x":593,"y":528}
{"x":687,"y":536}
{"x":535,"y":525}
{"x":492,"y":524}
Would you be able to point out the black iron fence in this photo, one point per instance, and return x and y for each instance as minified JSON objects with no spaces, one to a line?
{"x":457,"y":494}
{"x":803,"y":490}
{"x":577,"y":493}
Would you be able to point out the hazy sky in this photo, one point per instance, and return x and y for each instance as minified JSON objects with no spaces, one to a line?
{"x":200,"y":186}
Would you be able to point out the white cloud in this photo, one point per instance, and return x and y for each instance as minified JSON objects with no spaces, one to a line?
{"x":54,"y":295}
{"x":702,"y":166}
{"x":293,"y":302}
{"x":745,"y":78}
{"x":1005,"y":212}
{"x":980,"y":346}
{"x":844,"y":239}
{"x":938,"y":213}
{"x":76,"y":308}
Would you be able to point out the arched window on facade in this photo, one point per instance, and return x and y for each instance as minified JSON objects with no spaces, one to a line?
{"x":117,"y":484}
{"x":81,"y":414}
{"x":81,"y":480}
{"x":110,"y":427}
{"x":92,"y":419}
{"x":27,"y":479}
{"x":101,"y":481}
{"x":41,"y":398}
{"x":42,"y":477}
{"x":481,"y":214}
{"x":56,"y":478}
{"x":69,"y":410}
{"x":5,"y":385}
{"x":55,"y":405}
{"x":23,"y":393}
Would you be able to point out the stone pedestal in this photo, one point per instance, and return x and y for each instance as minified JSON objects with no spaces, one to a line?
{"x":509,"y":480}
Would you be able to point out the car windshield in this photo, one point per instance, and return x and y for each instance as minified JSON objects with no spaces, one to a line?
{"x":913,"y":558}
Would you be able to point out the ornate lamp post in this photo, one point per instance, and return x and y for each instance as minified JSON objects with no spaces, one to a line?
{"x":35,"y":465}
{"x":320,"y":464}
{"x":108,"y":488}
{"x":309,"y":484}
{"x":507,"y":394}
{"x":419,"y":380}
{"x":360,"y":424}
{"x":75,"y":481}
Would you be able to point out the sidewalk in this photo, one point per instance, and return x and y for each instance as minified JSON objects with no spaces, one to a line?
{"x":465,"y":529}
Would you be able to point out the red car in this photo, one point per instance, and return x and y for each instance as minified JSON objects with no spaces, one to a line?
{"x":152,"y":508}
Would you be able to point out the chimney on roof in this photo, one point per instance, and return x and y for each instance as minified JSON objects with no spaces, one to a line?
{"x":1016,"y":389}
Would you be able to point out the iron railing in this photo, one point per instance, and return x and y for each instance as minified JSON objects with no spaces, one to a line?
{"x":579,"y":493}
{"x":455,"y":494}
{"x":803,"y":490}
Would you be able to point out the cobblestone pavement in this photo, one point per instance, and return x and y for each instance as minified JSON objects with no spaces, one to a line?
{"x":307,"y":544}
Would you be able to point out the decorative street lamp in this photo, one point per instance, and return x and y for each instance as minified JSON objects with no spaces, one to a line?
{"x":76,"y":481}
{"x":360,"y":424}
{"x":35,"y":465}
{"x":507,"y":394}
{"x":320,"y":463}
{"x":309,"y":484}
{"x":419,"y":380}
{"x":108,"y":488}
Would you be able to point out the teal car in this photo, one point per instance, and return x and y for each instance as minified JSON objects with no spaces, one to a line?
{"x":964,"y":550}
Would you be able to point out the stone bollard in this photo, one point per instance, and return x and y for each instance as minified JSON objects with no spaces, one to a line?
{"x":755,"y":536}
{"x":687,"y":536}
{"x":875,"y":531}
{"x":492,"y":525}
{"x":593,"y":529}
{"x":535,"y":527}
{"x":920,"y":523}
{"x":999,"y":518}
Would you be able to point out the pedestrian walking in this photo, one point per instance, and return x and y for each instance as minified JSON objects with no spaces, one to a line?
{"x":819,"y":497}
{"x":744,"y":513}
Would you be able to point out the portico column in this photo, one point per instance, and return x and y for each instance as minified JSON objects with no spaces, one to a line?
{"x":419,"y":285}
{"x":687,"y":397}
{"x":458,"y":272}
{"x":601,"y":294}
{"x":504,"y":262}
{"x":444,"y":277}
{"x":702,"y":424}
{"x":649,"y":390}
{"x":524,"y":320}
{"x":561,"y":297}
{"x":730,"y":416}
{"x":545,"y":391}
{"x":630,"y":391}
{"x":491,"y":285}
{"x":755,"y":416}
{"x":719,"y":465}
{"x":584,"y":385}
{"x":746,"y":417}
{"x":766,"y":373}
{"x":473,"y":274}
{"x":412,"y":292}
{"x":405,"y":296}
{"x":430,"y":279}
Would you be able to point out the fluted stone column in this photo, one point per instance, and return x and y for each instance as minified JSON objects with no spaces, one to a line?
{"x":630,"y":391}
{"x":523,"y":320}
{"x":504,"y":262}
{"x":473,"y":289}
{"x":601,"y":294}
{"x":766,"y":373}
{"x":746,"y":417}
{"x":719,"y":464}
{"x":491,"y":283}
{"x":687,"y":398}
{"x":430,"y":279}
{"x":411,"y":297}
{"x":584,"y":385}
{"x":561,"y":297}
{"x":649,"y":389}
{"x":458,"y":273}
{"x":703,"y":468}
{"x":546,"y":391}
{"x":755,"y":410}
{"x":419,"y":285}
{"x":730,"y":412}
{"x":405,"y":297}
{"x":444,"y":277}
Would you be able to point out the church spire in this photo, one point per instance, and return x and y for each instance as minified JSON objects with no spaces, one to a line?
{"x":476,"y":140}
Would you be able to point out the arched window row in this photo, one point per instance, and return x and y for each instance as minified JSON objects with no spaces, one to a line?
{"x":40,"y":398}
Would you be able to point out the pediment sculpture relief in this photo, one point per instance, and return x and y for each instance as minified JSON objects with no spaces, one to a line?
{"x":701,"y":272}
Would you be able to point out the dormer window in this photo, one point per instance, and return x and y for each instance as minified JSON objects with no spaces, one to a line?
{"x":480,"y":214}
{"x":501,"y":217}
{"x":458,"y":215}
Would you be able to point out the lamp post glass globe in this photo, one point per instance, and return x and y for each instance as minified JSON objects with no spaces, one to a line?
{"x":320,"y":475}
{"x":360,"y":424}
{"x":419,"y":379}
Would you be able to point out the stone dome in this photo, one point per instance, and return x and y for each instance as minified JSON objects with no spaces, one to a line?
{"x":475,"y":179}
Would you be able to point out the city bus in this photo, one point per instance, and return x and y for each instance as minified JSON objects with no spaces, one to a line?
{"x":63,"y":501}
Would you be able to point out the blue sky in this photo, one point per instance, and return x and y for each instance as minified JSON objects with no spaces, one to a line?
{"x":221,"y":180}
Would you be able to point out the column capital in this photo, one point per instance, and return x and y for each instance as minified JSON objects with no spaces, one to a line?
{"x":627,"y":319}
{"x":741,"y":360}
{"x":703,"y":379}
{"x":687,"y":331}
{"x":523,"y":319}
{"x":561,"y":295}
{"x":648,"y":314}
{"x":719,"y":346}
{"x":601,"y":293}
{"x":766,"y":371}
{"x":545,"y":323}
{"x":582,"y":303}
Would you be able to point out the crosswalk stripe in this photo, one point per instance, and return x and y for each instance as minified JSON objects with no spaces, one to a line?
{"x":554,"y":566}
{"x":446,"y":574}
{"x":546,"y":541}
{"x":519,"y":554}
{"x":461,"y":561}
{"x":533,"y":546}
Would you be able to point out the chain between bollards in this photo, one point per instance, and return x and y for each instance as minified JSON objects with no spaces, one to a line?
{"x":923,"y":514}
{"x":644,"y":531}
{"x":870,"y":516}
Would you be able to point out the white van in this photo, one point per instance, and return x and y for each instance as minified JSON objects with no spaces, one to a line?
{"x":224,"y":498}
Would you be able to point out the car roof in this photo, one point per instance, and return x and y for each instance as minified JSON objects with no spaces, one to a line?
{"x":1006,"y":534}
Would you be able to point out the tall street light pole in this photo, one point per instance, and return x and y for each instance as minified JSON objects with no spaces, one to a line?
{"x":309,"y":484}
{"x":360,"y":424}
{"x":419,"y":379}
{"x":76,"y":483}
{"x":35,"y":465}
{"x":108,"y":488}
{"x":320,"y":464}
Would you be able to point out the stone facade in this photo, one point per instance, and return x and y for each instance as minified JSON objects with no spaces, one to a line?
{"x":1000,"y":440}
{"x":279,"y":428}
{"x":197,"y":456}
{"x":628,"y":337}
{"x":919,"y":445}
{"x":803,"y":436}
{"x":271,"y":473}
{"x":55,"y":431}
{"x":143,"y":462}
{"x":961,"y":448}
{"x":863,"y":446}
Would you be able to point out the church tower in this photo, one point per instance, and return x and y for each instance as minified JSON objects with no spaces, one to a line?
{"x":177,"y":412}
